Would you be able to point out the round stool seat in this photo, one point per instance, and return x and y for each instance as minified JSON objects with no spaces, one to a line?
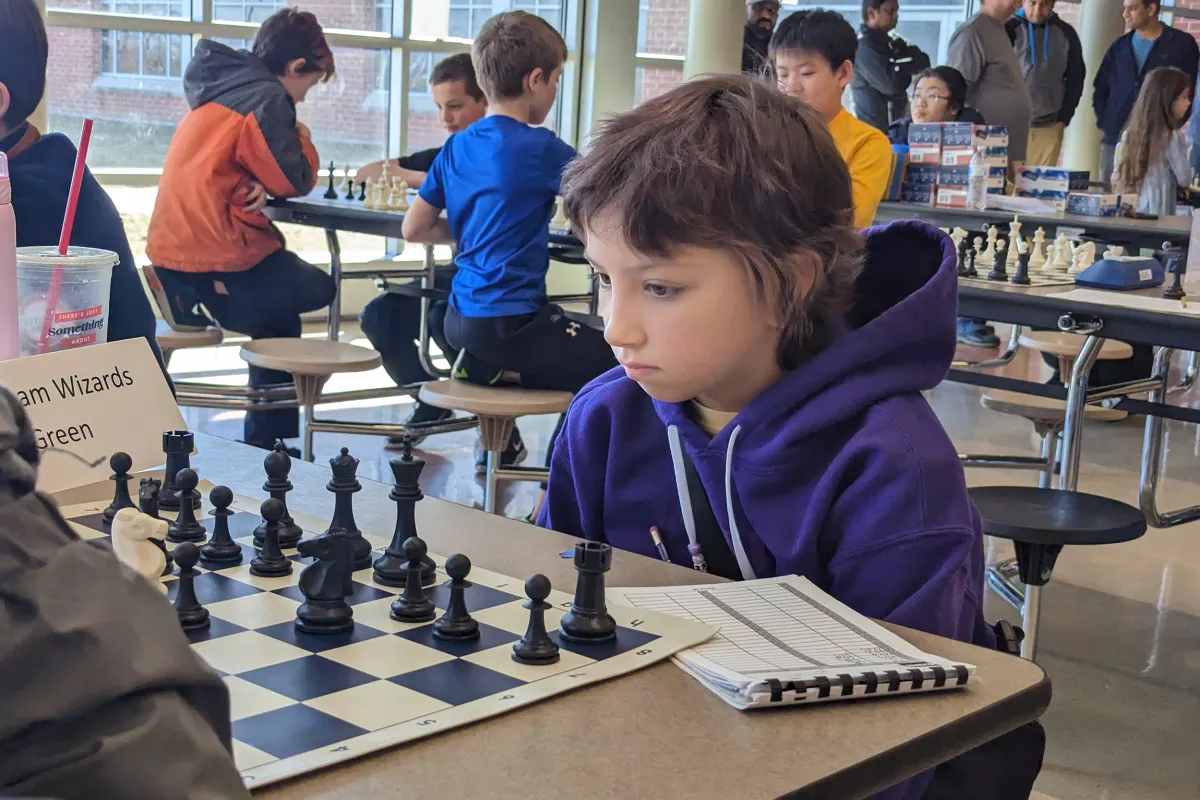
{"x":1068,"y":345}
{"x":1043,"y":409}
{"x":1054,"y":516}
{"x":493,"y":401}
{"x":309,"y":356}
{"x":170,"y":339}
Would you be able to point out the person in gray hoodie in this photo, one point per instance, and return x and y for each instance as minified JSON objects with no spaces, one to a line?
{"x":1051,"y":59}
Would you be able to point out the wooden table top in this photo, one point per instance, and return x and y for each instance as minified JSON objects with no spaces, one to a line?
{"x":655,"y":733}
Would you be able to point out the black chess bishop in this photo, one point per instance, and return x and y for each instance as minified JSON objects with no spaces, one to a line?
{"x":277,"y":465}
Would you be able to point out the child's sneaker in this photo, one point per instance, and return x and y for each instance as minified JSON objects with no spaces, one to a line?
{"x":179,"y":306}
{"x":474,"y":370}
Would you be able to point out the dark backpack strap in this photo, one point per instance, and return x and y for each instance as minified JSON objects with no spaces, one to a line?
{"x":717,"y":555}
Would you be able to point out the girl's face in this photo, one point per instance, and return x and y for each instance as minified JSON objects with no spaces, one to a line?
{"x":931,"y":101}
{"x":1179,"y":108}
{"x":686,"y":326}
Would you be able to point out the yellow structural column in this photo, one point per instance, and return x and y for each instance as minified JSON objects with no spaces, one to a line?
{"x":714,"y":37}
{"x":1100,"y":24}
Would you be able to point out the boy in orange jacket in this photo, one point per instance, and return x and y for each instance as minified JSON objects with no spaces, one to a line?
{"x":209,"y":241}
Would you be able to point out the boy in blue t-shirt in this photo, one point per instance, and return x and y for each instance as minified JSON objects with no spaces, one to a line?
{"x":497,"y":181}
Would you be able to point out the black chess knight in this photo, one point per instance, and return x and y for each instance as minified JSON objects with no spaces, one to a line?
{"x":344,"y":484}
{"x":326,"y":583}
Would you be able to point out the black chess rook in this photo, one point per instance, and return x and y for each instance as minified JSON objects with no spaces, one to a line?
{"x":186,"y":528}
{"x":178,"y":446}
{"x":221,"y":549}
{"x":326,"y":583}
{"x":588,"y":620}
{"x":344,"y":484}
{"x":277,"y":465}
{"x":391,"y":568}
{"x":456,"y":624}
{"x":270,"y":561}
{"x":120,"y":464}
{"x":536,"y":647}
{"x":413,"y":605}
{"x":192,"y":615}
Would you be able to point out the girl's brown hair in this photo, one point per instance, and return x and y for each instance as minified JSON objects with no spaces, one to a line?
{"x":1151,"y":124}
{"x":729,"y":162}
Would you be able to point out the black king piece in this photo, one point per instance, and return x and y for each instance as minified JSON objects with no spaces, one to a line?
{"x":391,"y":568}
{"x":343,"y":484}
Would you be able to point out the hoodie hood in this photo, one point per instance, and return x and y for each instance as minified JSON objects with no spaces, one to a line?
{"x":217,"y":72}
{"x":900,"y":337}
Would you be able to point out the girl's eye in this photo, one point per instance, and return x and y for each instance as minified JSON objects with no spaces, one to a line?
{"x":602,"y":278}
{"x":658,"y":290}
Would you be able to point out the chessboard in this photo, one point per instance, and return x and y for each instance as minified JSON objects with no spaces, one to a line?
{"x":303,"y":701}
{"x":1037,"y":278}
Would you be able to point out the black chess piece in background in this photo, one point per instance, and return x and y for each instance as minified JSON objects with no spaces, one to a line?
{"x":120,"y":463}
{"x":344,"y":484}
{"x":178,"y":446}
{"x":457,"y":625}
{"x":1176,"y":268}
{"x":413,"y":605}
{"x":186,"y":528}
{"x":221,"y":549}
{"x":362,"y":186}
{"x":349,"y":185}
{"x":999,"y":266}
{"x":391,"y":568}
{"x":971,"y":272}
{"x":1021,"y":276}
{"x":270,"y":561}
{"x":326,"y":583}
{"x":588,"y":620}
{"x":536,"y":647}
{"x":277,"y":465}
{"x":963,"y":246}
{"x":148,"y":492}
{"x":331,"y":192}
{"x":192,"y":615}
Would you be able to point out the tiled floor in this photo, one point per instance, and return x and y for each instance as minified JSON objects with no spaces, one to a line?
{"x":1120,"y":630}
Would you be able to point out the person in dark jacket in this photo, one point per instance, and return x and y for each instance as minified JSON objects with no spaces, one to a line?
{"x":940,"y":96}
{"x":1051,"y":59}
{"x":40,"y":168}
{"x":1149,"y":44}
{"x":884,"y":66}
{"x":761,"y":16}
{"x":104,"y":699}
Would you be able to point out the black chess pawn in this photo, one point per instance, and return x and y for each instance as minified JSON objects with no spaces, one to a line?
{"x":536,"y":647}
{"x":391,"y":568}
{"x":270,"y":561}
{"x":277,"y":465}
{"x":963,"y":246}
{"x":120,"y":463}
{"x":331,"y":192}
{"x":325,"y":584}
{"x":192,"y":615}
{"x":221,"y":548}
{"x":178,"y":446}
{"x":413,"y":605}
{"x":362,"y":194}
{"x":588,"y":620}
{"x":344,"y":484}
{"x":186,"y":528}
{"x":970,"y":272}
{"x":456,"y":624}
{"x":1021,"y":277}
{"x":349,"y":186}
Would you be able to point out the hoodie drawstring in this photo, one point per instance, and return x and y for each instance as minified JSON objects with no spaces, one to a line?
{"x":685,"y":505}
{"x":1045,"y":43}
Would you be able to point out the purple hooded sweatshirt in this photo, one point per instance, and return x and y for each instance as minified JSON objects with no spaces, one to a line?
{"x":839,"y":472}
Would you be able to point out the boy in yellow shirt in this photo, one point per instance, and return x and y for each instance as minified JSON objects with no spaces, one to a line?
{"x":813,"y":56}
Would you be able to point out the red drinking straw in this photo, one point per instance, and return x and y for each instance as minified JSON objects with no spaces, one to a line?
{"x":64,"y":238}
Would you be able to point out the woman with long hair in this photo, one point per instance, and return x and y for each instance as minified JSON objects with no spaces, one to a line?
{"x":1152,"y":157}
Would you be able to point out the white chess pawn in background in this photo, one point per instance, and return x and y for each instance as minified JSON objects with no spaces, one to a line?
{"x":401,"y":195}
{"x":988,"y":257}
{"x":131,"y":534}
{"x":1061,"y":261}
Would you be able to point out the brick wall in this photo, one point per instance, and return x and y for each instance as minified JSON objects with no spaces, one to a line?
{"x":666,"y":27}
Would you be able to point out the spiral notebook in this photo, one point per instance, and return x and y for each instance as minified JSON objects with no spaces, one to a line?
{"x":782,"y":641}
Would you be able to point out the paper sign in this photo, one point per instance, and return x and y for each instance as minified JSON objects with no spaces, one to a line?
{"x":90,"y":402}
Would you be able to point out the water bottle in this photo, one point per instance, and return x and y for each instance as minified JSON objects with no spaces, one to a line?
{"x":977,"y":182}
{"x":9,"y":338}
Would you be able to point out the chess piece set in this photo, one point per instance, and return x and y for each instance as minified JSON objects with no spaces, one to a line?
{"x":389,"y":193}
{"x":139,"y":537}
{"x":1056,"y":259}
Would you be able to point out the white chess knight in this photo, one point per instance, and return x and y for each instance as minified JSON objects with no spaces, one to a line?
{"x":1114,"y":252}
{"x":131,"y":534}
{"x":1083,"y":257}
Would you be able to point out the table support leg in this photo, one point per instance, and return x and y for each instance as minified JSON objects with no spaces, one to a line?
{"x":428,"y":281}
{"x":1152,"y":447}
{"x":335,"y":272}
{"x":1032,"y":609}
{"x":1076,"y":399}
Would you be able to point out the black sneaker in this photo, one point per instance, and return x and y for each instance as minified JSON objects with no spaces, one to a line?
{"x":422,"y":414}
{"x":513,"y":455}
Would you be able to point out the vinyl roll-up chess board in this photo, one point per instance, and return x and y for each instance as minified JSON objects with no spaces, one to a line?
{"x":301,"y":701}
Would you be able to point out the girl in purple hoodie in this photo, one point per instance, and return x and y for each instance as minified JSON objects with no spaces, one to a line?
{"x":767,"y":416}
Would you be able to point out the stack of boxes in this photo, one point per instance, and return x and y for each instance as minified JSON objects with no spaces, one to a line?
{"x":939,"y":158}
{"x":1053,"y":185}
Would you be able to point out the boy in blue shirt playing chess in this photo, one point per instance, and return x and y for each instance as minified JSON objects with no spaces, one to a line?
{"x":497,"y":182}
